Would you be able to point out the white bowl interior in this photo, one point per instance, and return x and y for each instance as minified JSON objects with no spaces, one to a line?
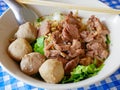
{"x":8,"y":26}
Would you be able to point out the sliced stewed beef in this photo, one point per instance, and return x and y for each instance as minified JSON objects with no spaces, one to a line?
{"x":86,"y":61}
{"x":71,"y":65}
{"x":44,"y":28}
{"x":70,"y":31}
{"x":73,"y":46}
{"x":94,"y":24}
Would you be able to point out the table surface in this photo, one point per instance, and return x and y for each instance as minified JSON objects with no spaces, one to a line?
{"x":7,"y":82}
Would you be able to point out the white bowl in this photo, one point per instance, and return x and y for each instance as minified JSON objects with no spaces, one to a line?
{"x":8,"y":25}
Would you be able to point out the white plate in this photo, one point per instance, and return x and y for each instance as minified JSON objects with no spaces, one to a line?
{"x":8,"y":25}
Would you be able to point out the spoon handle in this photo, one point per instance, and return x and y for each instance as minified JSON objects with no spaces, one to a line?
{"x":16,"y":8}
{"x":12,"y":4}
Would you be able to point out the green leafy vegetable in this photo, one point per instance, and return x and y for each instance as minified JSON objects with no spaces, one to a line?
{"x":39,"y":45}
{"x":81,"y":72}
{"x":107,"y":39}
{"x":39,"y":20}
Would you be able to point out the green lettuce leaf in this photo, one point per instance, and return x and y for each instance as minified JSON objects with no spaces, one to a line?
{"x":82,"y":72}
{"x":39,"y":45}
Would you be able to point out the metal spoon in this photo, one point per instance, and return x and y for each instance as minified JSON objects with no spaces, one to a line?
{"x":22,"y":13}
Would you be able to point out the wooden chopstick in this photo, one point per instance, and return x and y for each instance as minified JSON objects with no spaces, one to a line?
{"x":69,"y":6}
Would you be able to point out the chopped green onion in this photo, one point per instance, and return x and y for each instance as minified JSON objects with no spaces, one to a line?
{"x":39,"y":20}
{"x":107,"y":39}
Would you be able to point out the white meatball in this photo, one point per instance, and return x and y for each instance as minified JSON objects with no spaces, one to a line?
{"x":27,"y":31}
{"x":18,"y":48}
{"x":31,"y":62}
{"x":52,"y":71}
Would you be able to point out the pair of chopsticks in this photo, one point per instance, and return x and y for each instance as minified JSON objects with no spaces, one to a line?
{"x":69,"y":6}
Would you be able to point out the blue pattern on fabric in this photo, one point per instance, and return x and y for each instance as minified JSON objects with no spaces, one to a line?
{"x":112,"y":3}
{"x":3,"y":7}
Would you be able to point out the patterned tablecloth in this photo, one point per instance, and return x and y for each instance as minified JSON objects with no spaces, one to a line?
{"x":7,"y":82}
